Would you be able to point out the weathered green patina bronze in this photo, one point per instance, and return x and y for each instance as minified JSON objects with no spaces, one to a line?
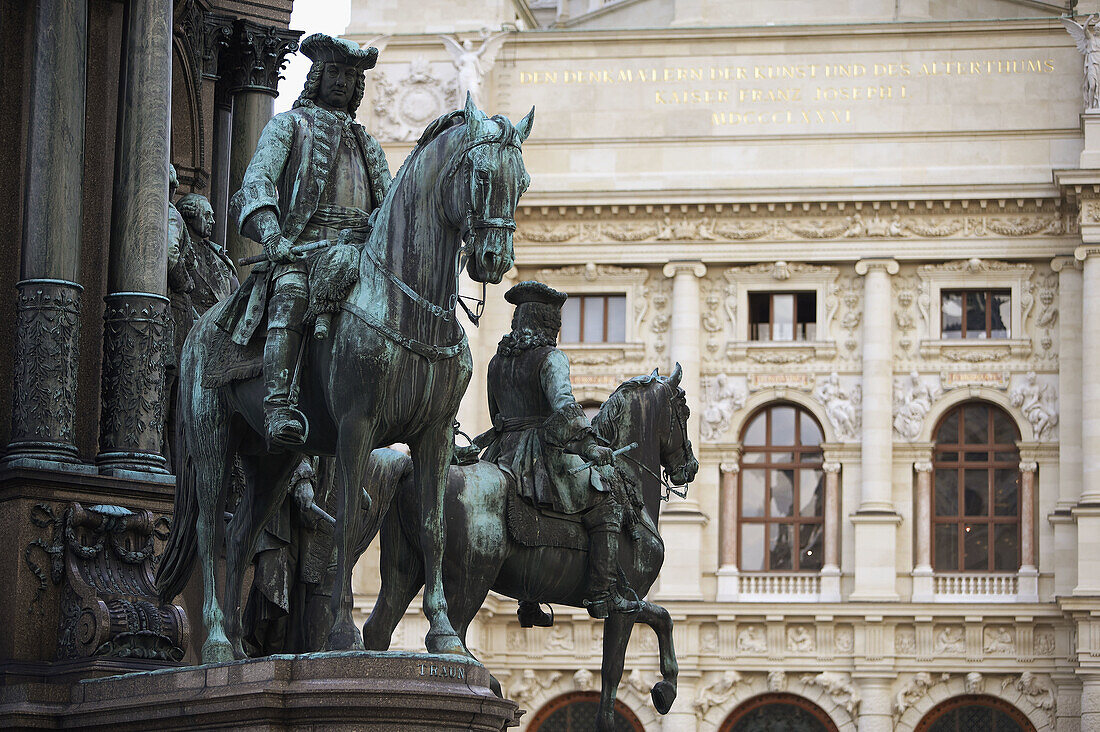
{"x":393,"y":369}
{"x":498,"y":541}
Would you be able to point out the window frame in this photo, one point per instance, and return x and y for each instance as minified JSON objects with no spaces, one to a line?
{"x":768,"y":467}
{"x":989,"y":519}
{"x":795,"y":324}
{"x":605,"y":299}
{"x":989,"y":292}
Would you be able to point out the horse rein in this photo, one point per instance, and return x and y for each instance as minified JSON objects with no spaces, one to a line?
{"x":670,"y":489}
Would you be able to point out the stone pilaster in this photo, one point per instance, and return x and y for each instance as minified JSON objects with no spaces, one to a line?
{"x":830,"y":570}
{"x":876,"y":520}
{"x":251,"y":67}
{"x":133,"y":338}
{"x":1069,"y":437}
{"x":1087,"y":512}
{"x":1028,"y":587}
{"x":47,"y":326}
{"x":729,"y":576}
{"x":875,"y":709}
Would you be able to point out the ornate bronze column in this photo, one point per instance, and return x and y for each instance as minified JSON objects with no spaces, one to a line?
{"x":47,"y":325}
{"x":136,"y":318}
{"x":251,"y":66}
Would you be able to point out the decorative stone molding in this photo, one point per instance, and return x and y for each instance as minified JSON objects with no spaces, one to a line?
{"x":256,"y":55}
{"x":135,"y":351}
{"x":203,"y":34}
{"x":404,"y":107}
{"x":46,"y":353}
{"x":1035,"y":691}
{"x":722,"y":396}
{"x":839,"y":687}
{"x":950,"y":640}
{"x":532,"y":686}
{"x":997,"y":640}
{"x":889,"y":266}
{"x":765,"y":277}
{"x":912,"y":692}
{"x":695,"y":268}
{"x":717,"y":693}
{"x":990,"y":379}
{"x":842,"y":406}
{"x":583,"y":680}
{"x":103,"y":559}
{"x":1038,"y":402}
{"x":777,"y":680}
{"x":800,"y":639}
{"x":751,"y":639}
{"x":913,"y":400}
{"x":831,"y":467}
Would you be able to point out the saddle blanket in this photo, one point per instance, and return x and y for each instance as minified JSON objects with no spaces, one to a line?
{"x":531,"y":526}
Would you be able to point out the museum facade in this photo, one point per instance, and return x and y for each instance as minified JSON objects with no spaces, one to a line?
{"x":870,"y":239}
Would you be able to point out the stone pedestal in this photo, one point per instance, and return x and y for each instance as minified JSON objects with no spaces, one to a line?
{"x":349,"y":690}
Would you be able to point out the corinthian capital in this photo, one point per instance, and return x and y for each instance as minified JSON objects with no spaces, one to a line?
{"x":256,"y":55}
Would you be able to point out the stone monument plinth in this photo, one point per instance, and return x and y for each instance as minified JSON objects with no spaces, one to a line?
{"x":344,"y":690}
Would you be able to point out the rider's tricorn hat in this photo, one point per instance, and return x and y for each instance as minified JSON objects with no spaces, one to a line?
{"x":326,"y":49}
{"x":532,"y":291}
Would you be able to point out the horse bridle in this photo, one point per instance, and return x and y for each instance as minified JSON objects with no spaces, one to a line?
{"x":685,"y":453}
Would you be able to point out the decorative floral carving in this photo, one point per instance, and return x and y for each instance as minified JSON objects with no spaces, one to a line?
{"x":839,"y":688}
{"x":912,"y":692}
{"x":842,"y":406}
{"x":256,"y":56}
{"x":717,"y":693}
{"x":913,"y":399}
{"x":46,"y":352}
{"x":750,"y":639}
{"x":1046,"y":320}
{"x":779,"y":356}
{"x":1039,"y":404}
{"x":135,"y":351}
{"x":722,"y":396}
{"x":975,"y":355}
{"x":845,"y":639}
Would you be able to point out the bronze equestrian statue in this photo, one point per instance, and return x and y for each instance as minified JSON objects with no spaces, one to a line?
{"x":394,"y":368}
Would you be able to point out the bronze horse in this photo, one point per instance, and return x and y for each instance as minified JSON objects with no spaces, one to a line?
{"x":481,"y":554}
{"x":393,"y":370}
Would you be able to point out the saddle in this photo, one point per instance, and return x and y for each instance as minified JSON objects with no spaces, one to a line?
{"x":532,"y":526}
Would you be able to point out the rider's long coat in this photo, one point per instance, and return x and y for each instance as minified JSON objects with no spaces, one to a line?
{"x":292,"y":165}
{"x":537,"y":429}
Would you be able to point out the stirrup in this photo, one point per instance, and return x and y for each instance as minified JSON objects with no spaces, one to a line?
{"x":601,"y":606}
{"x":532,"y":618}
{"x":286,"y":426}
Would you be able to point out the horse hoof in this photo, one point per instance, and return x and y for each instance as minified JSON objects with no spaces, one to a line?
{"x":445,"y":643}
{"x":217,"y":652}
{"x":343,"y":639}
{"x":663,"y":694}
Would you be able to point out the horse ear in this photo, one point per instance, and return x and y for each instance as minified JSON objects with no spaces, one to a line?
{"x":474,"y":116}
{"x":677,"y":374}
{"x":525,"y":125}
{"x":655,"y":374}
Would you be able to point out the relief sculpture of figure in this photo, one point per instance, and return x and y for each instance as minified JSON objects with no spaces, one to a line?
{"x":473,"y":63}
{"x":316,"y":171}
{"x":1085,"y":35}
{"x":210,"y":269}
{"x":541,"y":435}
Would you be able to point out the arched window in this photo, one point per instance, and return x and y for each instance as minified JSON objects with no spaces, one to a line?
{"x":976,"y":506}
{"x":973,"y":712}
{"x":576,"y":712}
{"x":778,"y":711}
{"x":781,"y":492}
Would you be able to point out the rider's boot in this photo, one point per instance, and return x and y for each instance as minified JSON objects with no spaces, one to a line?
{"x":531,"y":614}
{"x":285,"y":425}
{"x":602,"y":597}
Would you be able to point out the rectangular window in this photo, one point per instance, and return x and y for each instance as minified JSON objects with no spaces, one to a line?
{"x":782,"y":316}
{"x":594,"y":319}
{"x":978,"y":314}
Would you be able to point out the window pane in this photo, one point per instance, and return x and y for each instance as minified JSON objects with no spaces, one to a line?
{"x":976,"y":424}
{"x":753,"y":457}
{"x":1006,"y":492}
{"x":1006,"y":457}
{"x":811,"y":492}
{"x":752,"y":492}
{"x":947,"y":457}
{"x":807,"y":315}
{"x":752,"y":547}
{"x":949,"y":429}
{"x":780,"y":546}
{"x":1001,"y":314}
{"x":616,"y":319}
{"x":755,"y":433}
{"x":593,"y":319}
{"x":1004,"y":429}
{"x":571,"y":320}
{"x":975,"y":315}
{"x":781,"y":458}
{"x":976,"y":492}
{"x":947,"y":547}
{"x":811,"y":548}
{"x":810,"y":434}
{"x":782,"y":493}
{"x":952,"y":315}
{"x":976,"y":547}
{"x":759,"y":316}
{"x":811,"y":457}
{"x":1006,"y":557}
{"x":947,"y":492}
{"x":976,"y":457}
{"x":783,"y":317}
{"x":782,"y":425}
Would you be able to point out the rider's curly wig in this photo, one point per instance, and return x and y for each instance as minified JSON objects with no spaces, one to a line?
{"x":312,"y":88}
{"x":188,"y":206}
{"x":534,"y":325}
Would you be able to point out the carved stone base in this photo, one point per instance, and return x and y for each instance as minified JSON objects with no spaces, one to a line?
{"x":356,"y":690}
{"x":47,"y":349}
{"x":135,"y":353}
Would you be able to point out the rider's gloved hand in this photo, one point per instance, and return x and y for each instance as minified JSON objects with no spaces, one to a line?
{"x":599,"y":455}
{"x":279,"y":249}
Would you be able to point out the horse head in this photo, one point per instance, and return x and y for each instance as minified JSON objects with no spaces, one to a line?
{"x":489,"y":179}
{"x":677,"y":457}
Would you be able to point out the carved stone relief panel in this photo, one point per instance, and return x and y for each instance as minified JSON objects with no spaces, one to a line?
{"x":408,"y":97}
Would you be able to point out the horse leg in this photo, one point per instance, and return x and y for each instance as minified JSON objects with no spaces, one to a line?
{"x":402,"y":577}
{"x":431,"y":458}
{"x":353,"y":449}
{"x":266,"y":484}
{"x":210,"y":476}
{"x":616,"y":634}
{"x":664,"y":691}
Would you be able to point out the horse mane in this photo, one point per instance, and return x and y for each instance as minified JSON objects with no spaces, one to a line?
{"x":606,"y":420}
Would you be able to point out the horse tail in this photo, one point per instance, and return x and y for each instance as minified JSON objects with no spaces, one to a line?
{"x":179,"y":552}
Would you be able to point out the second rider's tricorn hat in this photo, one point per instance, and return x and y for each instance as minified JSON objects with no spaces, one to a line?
{"x":532,"y":291}
{"x":326,"y":49}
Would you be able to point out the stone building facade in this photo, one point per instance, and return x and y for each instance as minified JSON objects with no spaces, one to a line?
{"x":868,"y":233}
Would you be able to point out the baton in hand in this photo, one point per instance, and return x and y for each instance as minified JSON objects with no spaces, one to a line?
{"x":615,"y":453}
{"x":300,"y":249}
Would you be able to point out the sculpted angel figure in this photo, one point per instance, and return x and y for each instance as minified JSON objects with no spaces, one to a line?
{"x":1088,"y":44}
{"x":473,"y":64}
